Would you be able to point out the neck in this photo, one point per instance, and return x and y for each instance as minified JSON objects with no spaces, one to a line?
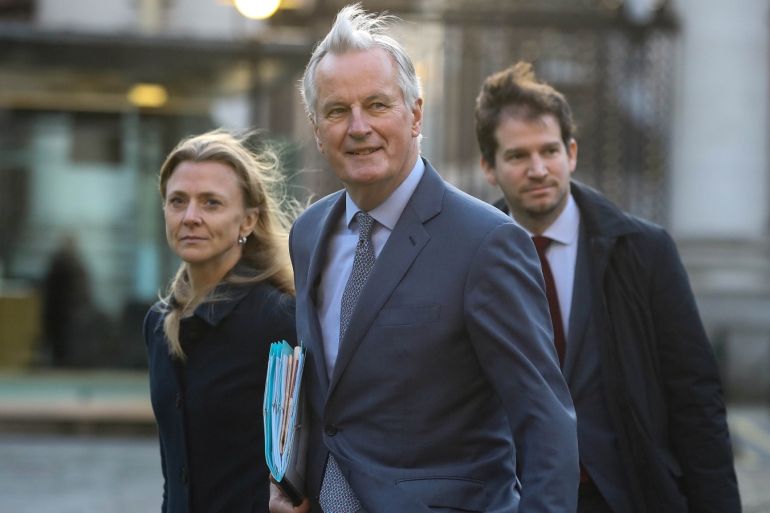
{"x":204,"y":277}
{"x":369,"y":196}
{"x":368,"y":200}
{"x":536,"y":223}
{"x":537,"y":228}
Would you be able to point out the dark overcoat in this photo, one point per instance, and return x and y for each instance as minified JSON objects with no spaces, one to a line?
{"x":209,"y":408}
{"x":659,"y":373}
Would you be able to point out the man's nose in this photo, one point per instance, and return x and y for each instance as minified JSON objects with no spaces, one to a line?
{"x":537,"y":168}
{"x":359,"y":124}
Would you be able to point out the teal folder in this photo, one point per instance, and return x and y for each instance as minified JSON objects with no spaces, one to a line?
{"x":284,"y":415}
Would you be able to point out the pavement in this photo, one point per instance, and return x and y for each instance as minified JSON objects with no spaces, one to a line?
{"x":750,"y":431}
{"x":79,"y":473}
{"x":84,"y":441}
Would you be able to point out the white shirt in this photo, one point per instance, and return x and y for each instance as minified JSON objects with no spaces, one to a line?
{"x":342,"y":248}
{"x":562,"y":255}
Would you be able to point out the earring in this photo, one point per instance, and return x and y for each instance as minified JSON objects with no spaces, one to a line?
{"x":241,"y":240}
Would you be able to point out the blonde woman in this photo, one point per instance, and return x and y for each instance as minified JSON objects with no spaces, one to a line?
{"x":208,"y":339}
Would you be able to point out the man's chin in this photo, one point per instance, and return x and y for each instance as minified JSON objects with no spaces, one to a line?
{"x":541,"y":208}
{"x":364,"y":175}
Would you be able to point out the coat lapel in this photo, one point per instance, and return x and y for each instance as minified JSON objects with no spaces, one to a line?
{"x":600,"y":222}
{"x":580,"y":309}
{"x":408,"y":238}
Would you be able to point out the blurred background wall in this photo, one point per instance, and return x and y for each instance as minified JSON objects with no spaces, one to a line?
{"x":671,"y":99}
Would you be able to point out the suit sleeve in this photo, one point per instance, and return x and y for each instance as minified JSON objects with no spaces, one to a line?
{"x":697,"y":419}
{"x":508,"y":319}
{"x":279,"y":315}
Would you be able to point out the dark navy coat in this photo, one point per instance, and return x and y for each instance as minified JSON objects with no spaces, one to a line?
{"x":658,"y":372}
{"x":209,"y":408}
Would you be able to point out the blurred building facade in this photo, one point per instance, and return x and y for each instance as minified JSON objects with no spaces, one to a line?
{"x":671,"y":98}
{"x":79,"y":150}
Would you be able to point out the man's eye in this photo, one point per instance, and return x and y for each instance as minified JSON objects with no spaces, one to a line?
{"x":213,"y":202}
{"x":175,"y":201}
{"x":335,"y":112}
{"x":379,"y":106}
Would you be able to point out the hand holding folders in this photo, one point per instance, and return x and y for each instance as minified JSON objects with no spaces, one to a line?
{"x":283,"y":410}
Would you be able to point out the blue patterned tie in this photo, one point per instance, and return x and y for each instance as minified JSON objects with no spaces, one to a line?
{"x":363,"y":262}
{"x":336,"y":495}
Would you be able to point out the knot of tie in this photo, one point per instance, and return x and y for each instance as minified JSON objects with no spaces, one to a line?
{"x":365,"y":225}
{"x":363,"y":263}
{"x":541,"y":244}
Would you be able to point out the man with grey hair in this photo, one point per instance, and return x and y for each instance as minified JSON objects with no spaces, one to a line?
{"x":432,"y":380}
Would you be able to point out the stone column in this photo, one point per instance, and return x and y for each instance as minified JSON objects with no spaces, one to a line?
{"x":720,"y":182}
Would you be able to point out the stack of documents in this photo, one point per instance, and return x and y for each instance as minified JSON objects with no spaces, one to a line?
{"x":283,"y":409}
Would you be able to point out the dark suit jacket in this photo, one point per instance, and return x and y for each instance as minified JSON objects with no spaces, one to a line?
{"x":658,"y":370}
{"x":209,"y":409}
{"x":447,"y":380}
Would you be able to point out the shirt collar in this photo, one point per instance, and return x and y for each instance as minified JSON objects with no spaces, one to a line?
{"x":388,"y":212}
{"x":566,"y":227}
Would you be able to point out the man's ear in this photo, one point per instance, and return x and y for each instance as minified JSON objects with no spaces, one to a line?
{"x":417,"y":118}
{"x":572,"y":153}
{"x":318,"y":142}
{"x":489,"y":172}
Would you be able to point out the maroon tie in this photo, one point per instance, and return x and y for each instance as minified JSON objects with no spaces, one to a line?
{"x":541,"y":244}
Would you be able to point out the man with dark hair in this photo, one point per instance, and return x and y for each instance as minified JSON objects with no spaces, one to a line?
{"x":432,"y":381}
{"x":652,"y":433}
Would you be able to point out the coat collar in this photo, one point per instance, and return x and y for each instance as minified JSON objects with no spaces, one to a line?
{"x":601,"y":216}
{"x":225,"y":297}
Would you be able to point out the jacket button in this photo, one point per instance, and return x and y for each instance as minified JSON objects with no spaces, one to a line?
{"x":330,"y":429}
{"x":178,"y":400}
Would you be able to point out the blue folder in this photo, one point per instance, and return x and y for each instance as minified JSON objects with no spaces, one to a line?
{"x":284,"y":414}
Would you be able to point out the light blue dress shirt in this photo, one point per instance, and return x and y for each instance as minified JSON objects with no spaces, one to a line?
{"x":562,"y":255}
{"x":342,"y":248}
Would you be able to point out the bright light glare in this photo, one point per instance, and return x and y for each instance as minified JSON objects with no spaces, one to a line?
{"x":257,"y":9}
{"x":148,"y":95}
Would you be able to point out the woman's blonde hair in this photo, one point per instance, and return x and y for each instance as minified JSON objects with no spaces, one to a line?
{"x":266,"y":250}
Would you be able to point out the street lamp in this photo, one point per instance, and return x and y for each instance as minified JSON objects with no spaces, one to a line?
{"x":257,"y":9}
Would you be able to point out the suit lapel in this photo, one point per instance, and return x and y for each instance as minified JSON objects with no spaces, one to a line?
{"x":408,"y":238}
{"x":328,"y":222}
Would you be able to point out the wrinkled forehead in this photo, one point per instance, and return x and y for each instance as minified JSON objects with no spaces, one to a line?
{"x":206,"y":175}
{"x":364,"y":62}
{"x":355,"y":70}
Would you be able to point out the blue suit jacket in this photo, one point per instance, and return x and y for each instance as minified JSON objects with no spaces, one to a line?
{"x":446,"y":386}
